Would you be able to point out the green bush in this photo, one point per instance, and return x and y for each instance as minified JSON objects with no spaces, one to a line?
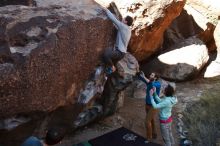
{"x":202,"y":119}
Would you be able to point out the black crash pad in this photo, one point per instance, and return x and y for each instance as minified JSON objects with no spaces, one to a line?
{"x":118,"y":137}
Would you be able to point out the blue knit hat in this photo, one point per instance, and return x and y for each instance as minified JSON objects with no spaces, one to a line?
{"x":32,"y":141}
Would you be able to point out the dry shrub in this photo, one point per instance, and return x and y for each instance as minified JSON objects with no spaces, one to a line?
{"x":202,"y":119}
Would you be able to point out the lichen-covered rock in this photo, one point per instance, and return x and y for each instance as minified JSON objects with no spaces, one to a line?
{"x":4,"y":47}
{"x":100,"y":103}
{"x":65,"y":3}
{"x":49,"y":53}
{"x":17,"y":2}
{"x":126,"y":71}
{"x":94,"y":87}
{"x":127,"y":67}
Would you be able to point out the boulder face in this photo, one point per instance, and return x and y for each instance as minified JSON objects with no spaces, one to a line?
{"x":207,"y":22}
{"x":217,"y":39}
{"x":199,"y":18}
{"x":205,"y":14}
{"x":48,"y":53}
{"x":183,"y":62}
{"x":214,"y":68}
{"x":151,"y":19}
{"x":99,"y":101}
{"x":210,"y":7}
{"x":17,"y":2}
{"x":127,"y":69}
{"x":45,"y":3}
{"x":65,"y":3}
{"x":181,"y":28}
{"x":190,"y":23}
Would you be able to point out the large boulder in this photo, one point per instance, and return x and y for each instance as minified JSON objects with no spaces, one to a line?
{"x":151,"y":19}
{"x":65,"y":3}
{"x":217,"y":39}
{"x":105,"y":101}
{"x":4,"y":47}
{"x":126,"y":71}
{"x":17,"y":2}
{"x":45,"y":3}
{"x":183,"y":62}
{"x":214,"y":68}
{"x":210,"y":7}
{"x":199,"y":18}
{"x":207,"y":22}
{"x":205,"y":14}
{"x":48,"y":54}
{"x":190,"y":23}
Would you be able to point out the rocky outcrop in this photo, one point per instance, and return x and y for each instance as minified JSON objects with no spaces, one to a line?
{"x":17,"y":2}
{"x":184,"y":62}
{"x":4,"y":47}
{"x":44,"y":62}
{"x":190,"y":23}
{"x":46,"y":3}
{"x":201,"y":18}
{"x":207,"y":26}
{"x":217,"y":39}
{"x":151,"y":20}
{"x":126,"y":71}
{"x":211,"y":8}
{"x":65,"y":3}
{"x":214,"y":68}
{"x":100,"y":104}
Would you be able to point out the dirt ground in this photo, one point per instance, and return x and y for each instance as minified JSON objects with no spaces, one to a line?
{"x":132,"y":114}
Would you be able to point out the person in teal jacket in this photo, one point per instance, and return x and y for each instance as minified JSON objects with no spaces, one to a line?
{"x":165,"y":106}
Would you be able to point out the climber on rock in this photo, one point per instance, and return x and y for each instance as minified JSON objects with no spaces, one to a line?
{"x":113,"y":55}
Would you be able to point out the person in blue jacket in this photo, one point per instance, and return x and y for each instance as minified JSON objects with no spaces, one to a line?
{"x":151,"y":132}
{"x":165,"y":106}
